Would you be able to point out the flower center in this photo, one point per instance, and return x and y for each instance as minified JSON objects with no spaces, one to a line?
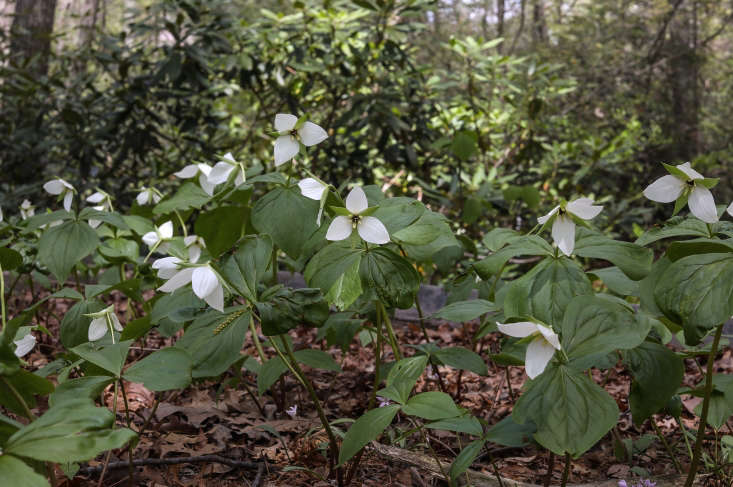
{"x":690,"y":182}
{"x":355,"y":220}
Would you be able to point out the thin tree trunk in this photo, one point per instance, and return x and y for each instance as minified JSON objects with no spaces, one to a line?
{"x":89,"y":15}
{"x":518,"y":34}
{"x":539,"y":26}
{"x":31,"y":33}
{"x":500,"y":14}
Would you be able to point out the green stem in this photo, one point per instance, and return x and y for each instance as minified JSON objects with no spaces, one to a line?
{"x":26,"y":410}
{"x":390,"y":331}
{"x":566,"y":472}
{"x":114,"y":423}
{"x":183,"y":224}
{"x":2,"y":294}
{"x":432,"y":451}
{"x":256,"y":339}
{"x":705,"y":408}
{"x":427,"y":340}
{"x":377,"y":363}
{"x":664,"y":441}
{"x":155,"y":246}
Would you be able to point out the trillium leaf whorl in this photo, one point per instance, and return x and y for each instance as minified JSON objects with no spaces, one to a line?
{"x":685,"y":184}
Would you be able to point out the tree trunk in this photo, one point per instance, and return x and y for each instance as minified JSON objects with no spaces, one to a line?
{"x":539,"y":25}
{"x":89,"y":15}
{"x":31,"y":33}
{"x":500,"y":14}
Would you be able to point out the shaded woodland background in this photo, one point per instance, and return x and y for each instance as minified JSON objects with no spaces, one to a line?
{"x":481,"y":108}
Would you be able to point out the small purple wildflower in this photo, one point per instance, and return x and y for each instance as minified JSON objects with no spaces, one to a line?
{"x":383,"y":401}
{"x":292,"y":411}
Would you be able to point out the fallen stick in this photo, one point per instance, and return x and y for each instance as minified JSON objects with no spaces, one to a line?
{"x":175,"y":461}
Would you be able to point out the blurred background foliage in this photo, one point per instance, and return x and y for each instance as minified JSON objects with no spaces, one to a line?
{"x":487,"y":110}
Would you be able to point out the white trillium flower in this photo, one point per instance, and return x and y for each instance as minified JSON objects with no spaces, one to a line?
{"x":24,"y":345}
{"x":287,"y":145}
{"x":27,"y":210}
{"x":60,"y":187}
{"x":163,"y":232}
{"x":540,"y":350}
{"x":203,"y":171}
{"x":315,"y":190}
{"x":671,"y":187}
{"x":370,"y":228}
{"x":167,"y":267}
{"x":563,"y":228}
{"x":204,"y":281}
{"x":1,"y":214}
{"x":148,"y":196}
{"x":95,"y":223}
{"x":220,"y":172}
{"x":730,"y":209}
{"x":195,"y":244}
{"x":102,"y":322}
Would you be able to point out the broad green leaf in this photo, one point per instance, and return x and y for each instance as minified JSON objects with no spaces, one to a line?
{"x":37,"y":221}
{"x":527,"y":245}
{"x":464,"y":424}
{"x":499,"y":237}
{"x":289,"y":308}
{"x":214,"y":341}
{"x":118,"y":250}
{"x":675,"y":227}
{"x":317,"y":359}
{"x":28,"y":385}
{"x":7,"y":428}
{"x":347,"y":288}
{"x":462,"y":311}
{"x":269,"y":373}
{"x":402,"y":378}
{"x":170,"y":306}
{"x":393,"y":278}
{"x":17,"y":473}
{"x":136,"y":328}
{"x":431,"y":405}
{"x":365,"y":429}
{"x":529,"y":194}
{"x":595,"y":326}
{"x":188,"y":196}
{"x":163,"y":370}
{"x":657,"y":373}
{"x":110,"y":217}
{"x":9,"y":259}
{"x":221,"y":228}
{"x":68,"y":432}
{"x":697,"y":291}
{"x":677,"y":250}
{"x":462,"y":359}
{"x":509,"y":433}
{"x":571,"y":412}
{"x":61,"y":248}
{"x":288,"y":217}
{"x":633,"y":260}
{"x":465,"y":458}
{"x":110,"y":358}
{"x":89,"y":387}
{"x":616,"y":281}
{"x":464,"y":144}
{"x":249,"y":265}
{"x":398,"y":213}
{"x":426,"y":236}
{"x":545,"y":291}
{"x":332,"y":269}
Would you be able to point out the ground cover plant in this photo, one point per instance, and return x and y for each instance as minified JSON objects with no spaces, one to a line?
{"x":201,"y":263}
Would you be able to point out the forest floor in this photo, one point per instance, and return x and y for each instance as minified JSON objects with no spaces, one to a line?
{"x":263,"y":445}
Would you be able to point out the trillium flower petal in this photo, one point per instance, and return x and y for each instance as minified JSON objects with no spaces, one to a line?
{"x":730,"y":209}
{"x":187,"y":172}
{"x":665,"y":189}
{"x":311,"y":134}
{"x":702,"y":204}
{"x":150,"y":238}
{"x":356,"y":201}
{"x":691,"y":173}
{"x":563,"y":233}
{"x":311,"y":188}
{"x":115,"y":322}
{"x":156,"y":197}
{"x":166,"y":230}
{"x":339,"y":229}
{"x":143,"y":197}
{"x":584,"y":208}
{"x":518,"y":330}
{"x":204,"y":281}
{"x":194,"y":252}
{"x":206,"y":185}
{"x":96,"y":198}
{"x":239,"y":180}
{"x":167,"y":267}
{"x":204,"y":168}
{"x":285,"y":122}
{"x":216,"y":298}
{"x":286,"y":147}
{"x":97,"y":328}
{"x":180,"y":279}
{"x":372,"y":230}
{"x":220,"y":173}
{"x":55,"y":186}
{"x":68,"y":197}
{"x":228,"y":157}
{"x":543,"y":219}
{"x":550,"y":336}
{"x":24,"y":345}
{"x":539,"y":354}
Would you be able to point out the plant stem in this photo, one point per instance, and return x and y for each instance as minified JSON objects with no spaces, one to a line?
{"x":566,"y":472}
{"x":256,"y":339}
{"x":705,"y":408}
{"x":550,"y":468}
{"x":432,"y":451}
{"x":183,"y":224}
{"x":114,"y":422}
{"x":664,"y":441}
{"x":2,"y":293}
{"x":26,"y":410}
{"x":390,"y":331}
{"x":427,"y":340}
{"x":298,"y":372}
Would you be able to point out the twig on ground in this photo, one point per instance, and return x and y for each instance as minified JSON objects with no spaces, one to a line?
{"x":176,"y":461}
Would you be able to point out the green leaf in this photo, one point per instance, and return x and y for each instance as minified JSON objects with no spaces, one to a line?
{"x":249,"y":265}
{"x":499,"y":237}
{"x":527,"y":245}
{"x":16,"y":473}
{"x":163,"y":370}
{"x":221,"y":228}
{"x":509,"y":433}
{"x":365,"y":429}
{"x":657,"y":373}
{"x":117,"y":250}
{"x":677,"y":250}
{"x":462,"y":359}
{"x":675,"y":227}
{"x":28,"y":385}
{"x":529,"y":194}
{"x":398,"y":213}
{"x":464,"y":424}
{"x":426,"y":236}
{"x":332,"y":270}
{"x":347,"y":288}
{"x":7,"y":428}
{"x":188,"y":196}
{"x":61,"y":248}
{"x":110,"y":217}
{"x":269,"y":373}
{"x":545,"y":291}
{"x":463,"y":311}
{"x":213,"y":348}
{"x":68,"y":432}
{"x":136,"y":328}
{"x":616,"y":281}
{"x":571,"y":412}
{"x":88,"y":387}
{"x":9,"y":259}
{"x":431,"y":405}
{"x":317,"y":359}
{"x":465,"y":458}
{"x":595,"y":326}
{"x":393,"y":278}
{"x":464,"y":144}
{"x":697,"y":291}
{"x":288,"y":217}
{"x":110,"y":358}
{"x":289,"y":308}
{"x":633,"y":260}
{"x":402,"y":378}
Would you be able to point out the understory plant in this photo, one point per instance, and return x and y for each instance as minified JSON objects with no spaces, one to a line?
{"x":204,"y":261}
